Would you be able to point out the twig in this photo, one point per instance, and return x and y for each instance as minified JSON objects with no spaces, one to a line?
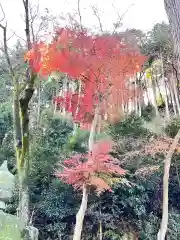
{"x":2,"y":13}
{"x":19,"y":36}
{"x":120,"y":17}
{"x":10,"y":37}
{"x":96,"y":13}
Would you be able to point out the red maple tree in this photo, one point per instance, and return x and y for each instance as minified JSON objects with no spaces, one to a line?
{"x":103,"y":64}
{"x":87,"y":169}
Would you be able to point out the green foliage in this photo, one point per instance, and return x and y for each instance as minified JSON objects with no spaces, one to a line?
{"x":158,"y":40}
{"x":6,"y":134}
{"x":47,"y":151}
{"x":53,"y":201}
{"x":149,"y":227}
{"x":5,"y":119}
{"x":148,"y":112}
{"x":78,"y":142}
{"x":173,"y":127}
{"x":110,"y":234}
{"x":132,"y":126}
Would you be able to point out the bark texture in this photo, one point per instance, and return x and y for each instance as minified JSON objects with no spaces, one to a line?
{"x":173,"y":12}
{"x":80,"y":215}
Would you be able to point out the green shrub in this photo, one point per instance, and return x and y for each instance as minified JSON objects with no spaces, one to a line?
{"x":173,"y":127}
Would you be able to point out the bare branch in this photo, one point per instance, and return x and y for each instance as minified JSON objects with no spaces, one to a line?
{"x":10,"y":37}
{"x":14,"y":33}
{"x":27,"y":30}
{"x":2,"y":10}
{"x":33,"y":16}
{"x":97,"y":15}
{"x":4,"y":28}
{"x":120,"y":17}
{"x":24,"y":2}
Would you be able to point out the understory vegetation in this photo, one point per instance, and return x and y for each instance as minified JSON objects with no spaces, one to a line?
{"x":90,"y":128}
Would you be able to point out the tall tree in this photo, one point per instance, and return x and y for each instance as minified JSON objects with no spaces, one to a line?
{"x":173,"y":11}
{"x":21,"y":99}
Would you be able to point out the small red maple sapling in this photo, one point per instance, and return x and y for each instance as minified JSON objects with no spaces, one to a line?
{"x":86,"y":169}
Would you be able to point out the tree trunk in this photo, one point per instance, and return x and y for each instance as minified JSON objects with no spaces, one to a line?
{"x":146,"y":85}
{"x":21,"y":121}
{"x":165,"y":96}
{"x":173,"y":11}
{"x":176,"y":94}
{"x":80,"y":215}
{"x":135,"y":96}
{"x":167,"y":163}
{"x":38,"y":105}
{"x":78,"y":106}
{"x":23,"y":156}
{"x":172,"y":98}
{"x":154,"y":95}
{"x":23,"y":197}
{"x":100,"y":226}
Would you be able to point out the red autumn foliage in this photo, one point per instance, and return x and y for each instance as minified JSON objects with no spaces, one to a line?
{"x":85,"y":169}
{"x":103,"y":64}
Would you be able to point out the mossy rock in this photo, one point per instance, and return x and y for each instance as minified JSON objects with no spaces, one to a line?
{"x":11,"y":227}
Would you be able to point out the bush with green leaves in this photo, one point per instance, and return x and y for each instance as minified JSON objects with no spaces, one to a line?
{"x":6,"y":120}
{"x":172,"y":127}
{"x":131,"y":126}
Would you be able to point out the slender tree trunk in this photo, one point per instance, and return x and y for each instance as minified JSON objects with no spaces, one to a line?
{"x":167,"y":163}
{"x":39,"y":104}
{"x":80,"y":215}
{"x":78,"y":106}
{"x":65,"y":89}
{"x":100,"y":226}
{"x":172,"y":98}
{"x":135,"y":96}
{"x":153,"y":84}
{"x":147,"y":93}
{"x":157,"y":83}
{"x":93,"y":129}
{"x":165,"y":96}
{"x":176,"y":95}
